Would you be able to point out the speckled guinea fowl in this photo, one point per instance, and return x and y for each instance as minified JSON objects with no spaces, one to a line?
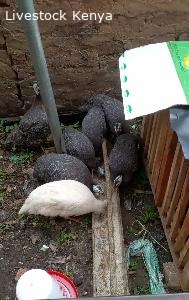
{"x":53,"y":167}
{"x":94,"y":127}
{"x":113,"y":110}
{"x":80,"y":146}
{"x":124,"y":159}
{"x":33,"y":128}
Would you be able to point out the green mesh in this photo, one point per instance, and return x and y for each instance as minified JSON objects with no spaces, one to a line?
{"x":146,"y":249}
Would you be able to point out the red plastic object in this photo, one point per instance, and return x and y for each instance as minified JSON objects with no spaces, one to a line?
{"x":67,"y":286}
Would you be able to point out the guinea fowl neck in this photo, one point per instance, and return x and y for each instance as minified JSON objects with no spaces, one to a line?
{"x":37,"y":100}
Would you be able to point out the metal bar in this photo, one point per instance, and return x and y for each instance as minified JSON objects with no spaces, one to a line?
{"x":40,"y":66}
{"x":180,"y":296}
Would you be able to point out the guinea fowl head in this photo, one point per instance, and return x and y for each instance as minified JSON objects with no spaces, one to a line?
{"x":36,"y":88}
{"x":118,"y":180}
{"x":118,"y":129}
{"x":97,"y":190}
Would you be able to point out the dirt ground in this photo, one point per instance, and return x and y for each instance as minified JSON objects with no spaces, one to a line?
{"x":47,"y":243}
{"x":141,"y":220}
{"x":22,"y":239}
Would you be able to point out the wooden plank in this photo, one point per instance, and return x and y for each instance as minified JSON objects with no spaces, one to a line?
{"x":160,"y":147}
{"x":175,"y":256}
{"x":101,"y":269}
{"x":170,"y":244}
{"x":183,"y":234}
{"x":180,"y":296}
{"x":148,"y":132}
{"x":154,"y":140}
{"x":185,"y":278}
{"x":144,"y":127}
{"x":181,"y":208}
{"x":152,"y":130}
{"x":184,"y":256}
{"x":172,"y":179}
{"x":178,"y":189}
{"x":165,"y":167}
{"x":109,"y":267}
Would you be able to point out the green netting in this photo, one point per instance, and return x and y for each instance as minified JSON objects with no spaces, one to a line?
{"x":146,"y":249}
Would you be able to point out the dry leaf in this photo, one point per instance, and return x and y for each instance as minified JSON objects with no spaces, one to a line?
{"x":20,"y":272}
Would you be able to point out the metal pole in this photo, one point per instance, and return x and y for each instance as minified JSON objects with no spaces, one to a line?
{"x":40,"y":66}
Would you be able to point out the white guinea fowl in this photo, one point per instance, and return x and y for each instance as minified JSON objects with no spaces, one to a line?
{"x":64,"y":198}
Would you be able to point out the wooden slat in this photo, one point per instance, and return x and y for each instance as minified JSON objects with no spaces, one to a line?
{"x":181,"y":208}
{"x":180,"y":296}
{"x":184,"y":256}
{"x":172,"y":250}
{"x":165,"y":167}
{"x":169,"y":177}
{"x":152,"y":135}
{"x":160,"y":147}
{"x":183,"y":234}
{"x":154,"y":140}
{"x":144,"y":127}
{"x":109,"y":267}
{"x":185,"y":278}
{"x":170,"y":244}
{"x":148,"y":132}
{"x":178,"y":189}
{"x":172,"y":179}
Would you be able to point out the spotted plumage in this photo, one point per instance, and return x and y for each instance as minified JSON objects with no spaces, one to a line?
{"x":80,"y":146}
{"x":124,"y":159}
{"x":53,"y":167}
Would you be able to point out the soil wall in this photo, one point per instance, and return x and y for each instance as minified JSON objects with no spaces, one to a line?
{"x":82,"y":55}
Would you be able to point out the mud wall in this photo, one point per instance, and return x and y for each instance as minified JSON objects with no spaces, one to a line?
{"x":82,"y":56}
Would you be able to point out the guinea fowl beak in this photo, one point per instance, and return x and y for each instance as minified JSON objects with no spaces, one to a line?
{"x":118,"y":129}
{"x":97,"y":190}
{"x":101,"y":171}
{"x":118,"y":180}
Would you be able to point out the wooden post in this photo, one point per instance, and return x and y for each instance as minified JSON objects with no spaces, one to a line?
{"x":109,"y":265}
{"x":41,"y":71}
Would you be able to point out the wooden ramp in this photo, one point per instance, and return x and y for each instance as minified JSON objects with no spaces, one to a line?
{"x":109,"y":265}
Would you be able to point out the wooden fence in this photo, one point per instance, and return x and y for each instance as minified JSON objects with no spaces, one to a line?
{"x":168,"y":173}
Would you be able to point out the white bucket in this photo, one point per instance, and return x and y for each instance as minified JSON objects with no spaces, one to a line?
{"x":37,"y":284}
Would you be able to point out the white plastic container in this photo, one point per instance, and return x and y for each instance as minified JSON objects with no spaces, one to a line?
{"x":37,"y":284}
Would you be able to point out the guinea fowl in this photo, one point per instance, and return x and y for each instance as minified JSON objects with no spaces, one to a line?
{"x":33,"y":128}
{"x":63,"y":198}
{"x":80,"y":146}
{"x":53,"y":167}
{"x":113,"y":110}
{"x":94,"y":127}
{"x":124,"y":159}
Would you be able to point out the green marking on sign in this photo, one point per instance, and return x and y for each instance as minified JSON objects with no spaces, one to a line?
{"x":180,"y":55}
{"x":124,"y":78}
{"x":123,"y":67}
{"x":129,"y":109}
{"x":126,"y":93}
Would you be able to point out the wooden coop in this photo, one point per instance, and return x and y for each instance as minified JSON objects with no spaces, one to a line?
{"x":168,"y":173}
